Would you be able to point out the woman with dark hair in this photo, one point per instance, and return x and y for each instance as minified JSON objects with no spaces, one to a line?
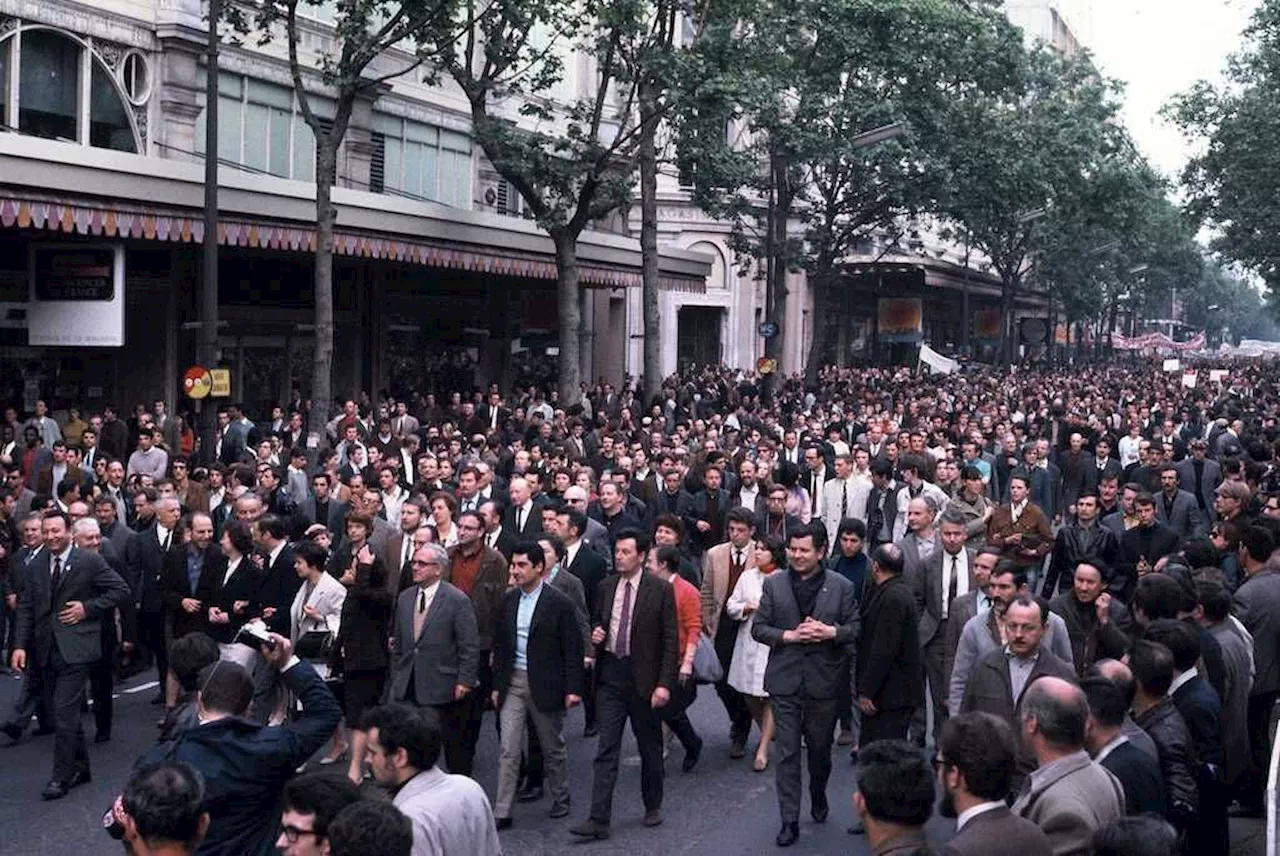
{"x":746,"y":670}
{"x":229,"y":583}
{"x":360,"y":651}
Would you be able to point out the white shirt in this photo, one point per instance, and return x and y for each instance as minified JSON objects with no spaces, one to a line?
{"x":747,"y":496}
{"x":275,"y":554}
{"x":231,"y":569}
{"x":1016,"y":509}
{"x":571,"y":552}
{"x":1116,"y":742}
{"x":962,"y":580}
{"x":1180,"y":680}
{"x":492,"y":538}
{"x":427,"y":595}
{"x":981,"y":808}
{"x":163,"y":535}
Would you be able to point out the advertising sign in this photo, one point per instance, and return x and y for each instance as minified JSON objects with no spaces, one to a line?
{"x":76,"y":295}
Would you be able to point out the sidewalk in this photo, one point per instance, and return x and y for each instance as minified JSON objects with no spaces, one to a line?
{"x":1248,"y":836}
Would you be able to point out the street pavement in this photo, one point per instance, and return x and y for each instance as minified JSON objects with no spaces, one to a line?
{"x":720,"y":807}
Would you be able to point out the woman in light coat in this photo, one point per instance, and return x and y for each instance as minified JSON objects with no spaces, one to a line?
{"x":317,"y":606}
{"x":750,"y":658}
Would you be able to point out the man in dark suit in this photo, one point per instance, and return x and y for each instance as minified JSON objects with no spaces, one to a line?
{"x":1141,"y":547}
{"x":808,"y":617}
{"x":976,"y":761}
{"x":587,"y":565}
{"x":1200,"y":475}
{"x":436,"y":650}
{"x":523,"y":518}
{"x":280,"y":580}
{"x":229,"y":586}
{"x":1177,"y":508}
{"x":637,"y":643}
{"x":537,"y":674}
{"x":673,"y":498}
{"x":705,"y":516}
{"x":890,"y":675}
{"x":1000,"y":679}
{"x":1106,"y":741}
{"x":153,"y":545}
{"x":944,"y":576}
{"x":323,"y":508}
{"x":497,"y":536}
{"x":60,"y":638}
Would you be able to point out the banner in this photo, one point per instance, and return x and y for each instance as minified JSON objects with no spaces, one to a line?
{"x":1218,"y":375}
{"x":937,"y":363}
{"x":901,"y":319}
{"x":1189,"y":378}
{"x":1158,"y":341}
{"x":1172,"y":365}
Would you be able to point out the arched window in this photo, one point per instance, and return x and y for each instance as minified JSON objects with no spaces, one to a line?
{"x":65,"y":91}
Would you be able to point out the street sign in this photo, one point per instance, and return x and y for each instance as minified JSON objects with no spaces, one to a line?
{"x":768,"y":329}
{"x":766,"y":365}
{"x":221,"y":383}
{"x":197,"y":382}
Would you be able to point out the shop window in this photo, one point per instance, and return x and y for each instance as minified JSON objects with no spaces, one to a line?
{"x":422,"y":161}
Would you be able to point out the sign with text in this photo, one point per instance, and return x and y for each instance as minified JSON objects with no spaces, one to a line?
{"x":76,"y":295}
{"x":220,"y":383}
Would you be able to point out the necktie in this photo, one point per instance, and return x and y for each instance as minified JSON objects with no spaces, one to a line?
{"x":406,"y":549}
{"x":420,"y":615}
{"x":813,"y":493}
{"x":844,"y":500}
{"x":737,"y":562}
{"x":951,"y":589}
{"x":519,"y":519}
{"x":164,"y":545}
{"x":622,"y":645}
{"x":56,"y":580}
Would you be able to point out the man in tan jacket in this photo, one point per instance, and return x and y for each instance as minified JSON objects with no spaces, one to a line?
{"x":721,"y":567}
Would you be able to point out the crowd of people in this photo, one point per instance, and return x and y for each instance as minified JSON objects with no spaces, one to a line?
{"x":1063,"y":583}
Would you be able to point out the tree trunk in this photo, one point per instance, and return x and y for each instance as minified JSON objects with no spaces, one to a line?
{"x":648,"y":154}
{"x":1010,"y":290}
{"x":822,"y":304}
{"x":322,"y":369}
{"x":567,"y":291}
{"x":586,"y":333}
{"x":779,"y":215}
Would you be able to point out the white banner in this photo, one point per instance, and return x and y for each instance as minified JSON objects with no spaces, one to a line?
{"x":1189,"y":378}
{"x":937,"y":363}
{"x":1172,"y":365}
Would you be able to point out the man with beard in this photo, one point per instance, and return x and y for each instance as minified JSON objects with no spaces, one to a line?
{"x":976,"y":760}
{"x":1098,"y":624}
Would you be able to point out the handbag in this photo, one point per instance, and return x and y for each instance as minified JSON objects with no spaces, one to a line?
{"x":315,"y":644}
{"x":706,"y":662}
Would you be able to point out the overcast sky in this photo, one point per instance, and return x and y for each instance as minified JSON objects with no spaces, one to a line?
{"x":1158,"y":48}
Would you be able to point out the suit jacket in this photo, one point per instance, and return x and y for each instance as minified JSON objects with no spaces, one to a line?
{"x":926,"y":585}
{"x":989,"y":690}
{"x":1257,"y":605}
{"x":980,"y":636}
{"x":44,"y":480}
{"x":1202,"y":711}
{"x":698,"y":510}
{"x":175,"y":585}
{"x":532,"y":523}
{"x":590,"y":569}
{"x":1139,"y":775}
{"x":486,"y":592}
{"x":655,"y":646}
{"x":571,"y":587}
{"x":816,"y":669}
{"x":505,"y":543}
{"x":86,"y":578}
{"x":399,"y":574}
{"x":1091,"y":640}
{"x":445,"y":655}
{"x":1210,"y":478}
{"x":834,"y":498}
{"x":714,"y":590}
{"x":1075,"y":799}
{"x":890,"y":668}
{"x":1152,"y":542}
{"x":553,"y":650}
{"x":783,"y":530}
{"x":151,"y":562}
{"x":999,"y":831}
{"x":1237,"y":660}
{"x":245,"y":584}
{"x":1032,"y":522}
{"x":337,"y":517}
{"x":280,"y":583}
{"x":1186,"y":520}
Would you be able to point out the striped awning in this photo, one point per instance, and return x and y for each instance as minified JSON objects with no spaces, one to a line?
{"x":117,"y":220}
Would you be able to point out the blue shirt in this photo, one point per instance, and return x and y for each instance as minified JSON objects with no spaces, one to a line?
{"x":524,"y":617}
{"x":195,"y":561}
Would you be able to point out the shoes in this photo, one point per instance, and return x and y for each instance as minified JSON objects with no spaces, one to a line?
{"x":532,"y":793}
{"x":845,"y":738}
{"x":590,"y":829}
{"x":820,"y":809}
{"x":691,"y":757}
{"x":737,"y":750}
{"x":56,"y":790}
{"x":501,"y":823}
{"x":558,"y":811}
{"x":653,"y":817}
{"x":592,"y":730}
{"x":13,"y":732}
{"x":788,"y":835}
{"x":102,"y":737}
{"x":857,"y":828}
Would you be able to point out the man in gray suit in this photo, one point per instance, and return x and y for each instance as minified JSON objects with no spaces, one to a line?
{"x":809,"y":619}
{"x":944,"y":576}
{"x":1200,"y":476}
{"x":1069,"y":796}
{"x":921,"y":538}
{"x":436,"y":648}
{"x":59,"y":636}
{"x":976,"y":761}
{"x":1257,"y":605}
{"x":1177,"y":508}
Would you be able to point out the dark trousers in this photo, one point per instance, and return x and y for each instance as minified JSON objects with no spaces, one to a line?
{"x":102,"y":679}
{"x":1253,"y":784}
{"x":816,"y":719}
{"x":934,"y":655}
{"x":885,"y":725}
{"x":675,"y":715}
{"x":589,"y":697}
{"x":31,"y":701}
{"x":64,"y":688}
{"x":151,"y":636}
{"x":616,"y":702}
{"x":734,"y":705}
{"x":1210,"y":834}
{"x":453,"y":718}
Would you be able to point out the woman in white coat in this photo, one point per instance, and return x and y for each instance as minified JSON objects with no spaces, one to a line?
{"x":746,"y":669}
{"x":317,"y":606}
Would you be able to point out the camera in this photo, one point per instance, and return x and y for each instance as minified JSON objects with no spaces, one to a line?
{"x":255,"y":638}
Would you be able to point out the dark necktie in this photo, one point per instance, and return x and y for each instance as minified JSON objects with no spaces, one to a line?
{"x":622,"y":645}
{"x":813,"y":493}
{"x":955,"y":576}
{"x":56,"y":579}
{"x":519,"y":519}
{"x":844,"y":499}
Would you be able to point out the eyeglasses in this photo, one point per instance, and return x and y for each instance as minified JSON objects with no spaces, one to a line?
{"x":293,"y":833}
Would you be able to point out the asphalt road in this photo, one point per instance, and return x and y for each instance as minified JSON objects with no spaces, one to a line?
{"x":721,"y":807}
